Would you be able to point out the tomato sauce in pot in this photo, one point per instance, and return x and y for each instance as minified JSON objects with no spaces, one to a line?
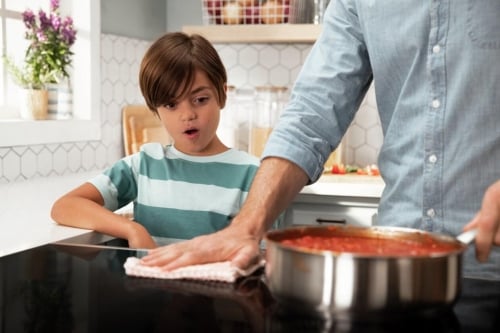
{"x":381,"y":246}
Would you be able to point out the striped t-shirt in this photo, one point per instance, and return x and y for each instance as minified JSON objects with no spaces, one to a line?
{"x":177,"y":195}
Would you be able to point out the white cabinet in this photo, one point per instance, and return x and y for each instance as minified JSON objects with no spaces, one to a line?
{"x":313,"y":209}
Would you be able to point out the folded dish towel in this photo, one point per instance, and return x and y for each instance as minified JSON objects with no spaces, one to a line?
{"x":218,"y":271}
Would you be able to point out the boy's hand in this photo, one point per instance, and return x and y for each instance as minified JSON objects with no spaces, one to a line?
{"x":139,"y":237}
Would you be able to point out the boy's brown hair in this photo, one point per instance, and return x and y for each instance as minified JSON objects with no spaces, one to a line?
{"x":168,"y":69}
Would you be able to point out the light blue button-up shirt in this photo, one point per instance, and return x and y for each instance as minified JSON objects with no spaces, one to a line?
{"x":435,"y":65}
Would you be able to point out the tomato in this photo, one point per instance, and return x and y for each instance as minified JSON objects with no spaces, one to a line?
{"x":338,"y":169}
{"x":361,"y":172}
{"x":372,"y":170}
{"x":342,"y":169}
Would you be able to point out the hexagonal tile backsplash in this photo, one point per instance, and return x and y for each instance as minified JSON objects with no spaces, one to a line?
{"x":248,"y":65}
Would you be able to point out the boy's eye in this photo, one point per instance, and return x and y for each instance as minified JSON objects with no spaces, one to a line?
{"x":170,"y":105}
{"x":201,"y":99}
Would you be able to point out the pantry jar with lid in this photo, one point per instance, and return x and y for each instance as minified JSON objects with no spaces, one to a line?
{"x":227,"y":130}
{"x":234,"y":118}
{"x":269,"y":102}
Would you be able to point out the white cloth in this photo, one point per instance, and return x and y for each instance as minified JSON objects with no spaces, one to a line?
{"x":219,"y":271}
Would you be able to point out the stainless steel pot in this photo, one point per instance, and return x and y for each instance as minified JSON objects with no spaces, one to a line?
{"x":328,"y":282}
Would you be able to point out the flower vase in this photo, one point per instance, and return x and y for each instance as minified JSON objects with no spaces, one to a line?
{"x":34,"y":104}
{"x":60,"y":101}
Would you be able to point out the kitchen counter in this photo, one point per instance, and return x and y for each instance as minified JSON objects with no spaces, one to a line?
{"x":337,"y":199}
{"x":61,"y":288}
{"x":25,"y":220}
{"x":347,"y":186}
{"x":25,"y":206}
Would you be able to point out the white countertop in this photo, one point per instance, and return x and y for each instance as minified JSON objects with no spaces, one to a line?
{"x":346,"y":186}
{"x":25,"y":220}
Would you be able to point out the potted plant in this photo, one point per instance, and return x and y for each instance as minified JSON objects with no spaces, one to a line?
{"x":47,"y":56}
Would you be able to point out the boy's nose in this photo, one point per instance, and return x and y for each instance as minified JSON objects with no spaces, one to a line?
{"x":188,"y":113}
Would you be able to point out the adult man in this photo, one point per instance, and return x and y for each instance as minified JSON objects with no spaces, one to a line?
{"x":436,"y":74}
{"x":435,"y":66}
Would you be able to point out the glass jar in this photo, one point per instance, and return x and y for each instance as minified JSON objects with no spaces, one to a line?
{"x":227,"y":130}
{"x":269,"y":102}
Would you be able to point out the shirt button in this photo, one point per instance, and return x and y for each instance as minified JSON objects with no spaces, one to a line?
{"x":433,"y":158}
{"x":431,"y":213}
{"x":436,"y":103}
{"x":436,"y":48}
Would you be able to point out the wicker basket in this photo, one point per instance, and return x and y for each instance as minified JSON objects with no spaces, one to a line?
{"x":245,"y":11}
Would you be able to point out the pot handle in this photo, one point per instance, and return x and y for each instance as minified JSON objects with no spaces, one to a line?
{"x":468,"y":236}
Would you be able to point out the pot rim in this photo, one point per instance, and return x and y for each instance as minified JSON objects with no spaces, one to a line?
{"x":274,"y":237}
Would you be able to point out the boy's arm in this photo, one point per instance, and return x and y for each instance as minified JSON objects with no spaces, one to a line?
{"x":83,"y":208}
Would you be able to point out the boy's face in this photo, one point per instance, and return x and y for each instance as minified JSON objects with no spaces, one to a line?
{"x":192,"y":121}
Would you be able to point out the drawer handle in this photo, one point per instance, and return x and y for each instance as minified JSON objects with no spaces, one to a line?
{"x":338,"y":221}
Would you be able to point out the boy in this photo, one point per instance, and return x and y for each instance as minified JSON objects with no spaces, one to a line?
{"x":192,"y":187}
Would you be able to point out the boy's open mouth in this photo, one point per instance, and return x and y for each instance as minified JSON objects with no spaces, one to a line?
{"x":191,"y":131}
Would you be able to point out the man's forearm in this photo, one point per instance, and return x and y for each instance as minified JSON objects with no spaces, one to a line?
{"x":276,"y":184}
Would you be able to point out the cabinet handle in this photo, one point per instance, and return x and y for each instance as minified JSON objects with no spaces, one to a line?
{"x":338,"y":221}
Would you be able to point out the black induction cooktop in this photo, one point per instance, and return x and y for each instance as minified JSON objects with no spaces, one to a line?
{"x":66,"y":288}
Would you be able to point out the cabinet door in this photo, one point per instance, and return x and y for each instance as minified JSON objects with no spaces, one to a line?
{"x":321,"y":214}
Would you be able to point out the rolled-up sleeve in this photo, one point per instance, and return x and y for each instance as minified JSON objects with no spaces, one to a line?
{"x":326,"y":95}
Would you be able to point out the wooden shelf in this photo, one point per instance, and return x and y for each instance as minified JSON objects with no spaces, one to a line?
{"x":257,"y":33}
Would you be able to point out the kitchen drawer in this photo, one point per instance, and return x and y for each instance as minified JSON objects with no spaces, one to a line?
{"x":320,"y":214}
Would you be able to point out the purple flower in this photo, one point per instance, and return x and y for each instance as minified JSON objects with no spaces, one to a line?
{"x":69,"y":36}
{"x":54,"y":5}
{"x":68,"y":32}
{"x":29,"y":18}
{"x":68,"y":21}
{"x":45,"y":23}
{"x":40,"y":34}
{"x":55,"y":21}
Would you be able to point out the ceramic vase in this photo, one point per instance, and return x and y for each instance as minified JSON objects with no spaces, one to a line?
{"x":34,"y":104}
{"x":60,"y":101}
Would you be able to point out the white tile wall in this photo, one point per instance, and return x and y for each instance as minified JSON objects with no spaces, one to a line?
{"x":248,"y":65}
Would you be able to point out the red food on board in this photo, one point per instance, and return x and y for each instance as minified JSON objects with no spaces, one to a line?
{"x":373,"y":170}
{"x":341,"y":169}
{"x":338,"y":169}
{"x":361,"y":172}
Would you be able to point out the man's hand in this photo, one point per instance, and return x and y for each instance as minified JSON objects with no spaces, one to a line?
{"x":487,"y":222}
{"x":230,"y":244}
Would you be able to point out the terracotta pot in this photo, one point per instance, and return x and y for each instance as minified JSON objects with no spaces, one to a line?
{"x":34,"y":104}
